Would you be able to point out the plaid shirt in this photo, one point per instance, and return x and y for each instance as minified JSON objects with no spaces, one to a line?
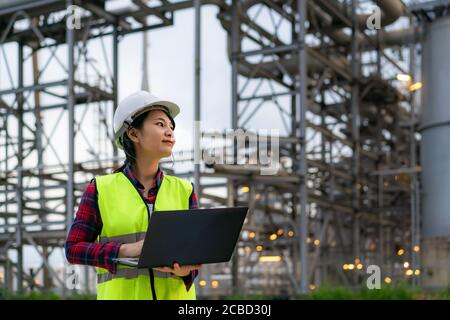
{"x":81,"y":246}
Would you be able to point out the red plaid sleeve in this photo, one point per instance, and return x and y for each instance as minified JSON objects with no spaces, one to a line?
{"x":80,"y":246}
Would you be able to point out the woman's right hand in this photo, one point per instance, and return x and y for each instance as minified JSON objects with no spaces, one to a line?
{"x":131,"y":250}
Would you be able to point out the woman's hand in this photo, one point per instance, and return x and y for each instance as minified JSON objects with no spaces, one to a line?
{"x":180,"y":271}
{"x":131,"y":250}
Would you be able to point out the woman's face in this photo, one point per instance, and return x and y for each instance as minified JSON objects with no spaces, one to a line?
{"x":156,"y":137}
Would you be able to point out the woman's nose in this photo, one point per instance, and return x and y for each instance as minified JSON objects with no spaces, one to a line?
{"x":169,"y":133}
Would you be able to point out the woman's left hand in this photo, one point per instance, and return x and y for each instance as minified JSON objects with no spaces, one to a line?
{"x":180,"y":271}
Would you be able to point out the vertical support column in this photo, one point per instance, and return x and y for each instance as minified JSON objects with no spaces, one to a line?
{"x":71,"y":124}
{"x":8,"y":275}
{"x":197,"y":101}
{"x":115,"y":81}
{"x":19,"y":197}
{"x":8,"y":268}
{"x":413,"y":158}
{"x":197,"y":84}
{"x":71,"y":127}
{"x":301,"y":111}
{"x":435,"y":154}
{"x":355,"y":130}
{"x":235,"y":49}
{"x":40,"y":152}
{"x":295,"y":251}
{"x":231,"y":193}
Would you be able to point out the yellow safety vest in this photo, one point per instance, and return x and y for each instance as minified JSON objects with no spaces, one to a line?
{"x":124,"y":215}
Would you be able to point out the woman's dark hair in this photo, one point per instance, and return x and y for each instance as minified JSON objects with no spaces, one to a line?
{"x":128,"y":146}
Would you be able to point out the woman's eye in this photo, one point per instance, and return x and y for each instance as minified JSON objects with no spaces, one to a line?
{"x":161,"y":124}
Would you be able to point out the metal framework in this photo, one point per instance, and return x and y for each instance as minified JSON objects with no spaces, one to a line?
{"x":347,"y":192}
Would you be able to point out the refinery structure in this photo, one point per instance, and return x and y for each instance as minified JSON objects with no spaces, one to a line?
{"x":362,"y":161}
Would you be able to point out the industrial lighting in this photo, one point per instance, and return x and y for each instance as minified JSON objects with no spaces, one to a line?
{"x":316,"y":242}
{"x":308,"y":240}
{"x":359,"y":266}
{"x":351,"y":266}
{"x":387,"y":280}
{"x":202,"y":283}
{"x":214,"y":284}
{"x":406,"y":264}
{"x":415,"y":86}
{"x":251,"y":235}
{"x":403,"y":77}
{"x":312,"y":287}
{"x":245,"y":189}
{"x":248,"y":249}
{"x":345,"y":267}
{"x":417,"y":272}
{"x":291,"y":233}
{"x":273,"y":237}
{"x":357,"y":261}
{"x":400,"y":252}
{"x":416,"y":248}
{"x":280,"y":232}
{"x":269,"y":259}
{"x":409,"y":272}
{"x":259,"y":248}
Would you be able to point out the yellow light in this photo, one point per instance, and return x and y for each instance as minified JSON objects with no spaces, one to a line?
{"x":416,"y":248}
{"x":202,"y":283}
{"x":351,"y":266}
{"x":403,"y":77}
{"x":248,"y":249}
{"x":291,"y":233}
{"x":251,"y":235}
{"x":400,"y":252}
{"x":259,"y":248}
{"x":280,"y":232}
{"x":214,"y":284}
{"x":387,"y":280}
{"x":417,"y":272}
{"x":415,"y":86}
{"x":359,"y":266}
{"x":273,"y":237}
{"x":345,"y":267}
{"x":357,"y":261}
{"x":316,"y":242}
{"x":308,"y":240}
{"x":406,"y":264}
{"x":269,"y":259}
{"x":245,"y":189}
{"x":312,"y":287}
{"x":409,"y":272}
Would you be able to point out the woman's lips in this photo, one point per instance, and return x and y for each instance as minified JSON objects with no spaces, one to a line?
{"x":169,"y":142}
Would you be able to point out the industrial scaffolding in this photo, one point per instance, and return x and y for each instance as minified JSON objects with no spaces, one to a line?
{"x":346,"y":194}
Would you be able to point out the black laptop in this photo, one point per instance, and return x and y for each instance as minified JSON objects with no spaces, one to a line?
{"x":189,"y":237}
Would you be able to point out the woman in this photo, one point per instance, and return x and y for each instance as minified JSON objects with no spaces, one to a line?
{"x":115,"y":208}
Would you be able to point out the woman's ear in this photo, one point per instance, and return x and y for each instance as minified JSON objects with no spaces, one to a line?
{"x":132,"y":134}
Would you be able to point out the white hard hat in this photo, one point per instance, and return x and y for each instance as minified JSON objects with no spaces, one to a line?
{"x":134,"y":105}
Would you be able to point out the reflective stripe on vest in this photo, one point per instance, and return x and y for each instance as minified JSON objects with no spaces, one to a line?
{"x":129,"y":273}
{"x":125,"y":219}
{"x":126,"y":238}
